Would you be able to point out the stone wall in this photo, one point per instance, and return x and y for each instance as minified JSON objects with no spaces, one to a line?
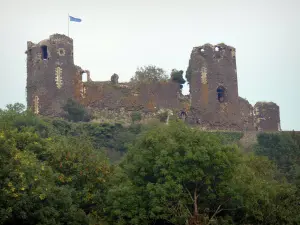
{"x":213,"y":86}
{"x":132,"y":97}
{"x":246,"y":113}
{"x":123,"y":116}
{"x":266,"y":116}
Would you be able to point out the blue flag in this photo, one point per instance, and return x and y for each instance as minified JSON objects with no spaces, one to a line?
{"x":74,"y":19}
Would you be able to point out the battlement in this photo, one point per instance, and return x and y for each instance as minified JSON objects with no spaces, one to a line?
{"x":60,"y":38}
{"x":218,"y":51}
{"x":52,"y":40}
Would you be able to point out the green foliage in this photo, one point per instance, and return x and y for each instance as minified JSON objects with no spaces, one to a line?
{"x":107,"y":136}
{"x":169,"y":171}
{"x":136,"y":116}
{"x":75,"y":112}
{"x":148,"y":74}
{"x":54,"y":171}
{"x":229,"y":137}
{"x":114,"y":78}
{"x":47,"y":180}
{"x":295,"y":136}
{"x":163,"y":116}
{"x":264,"y":199}
{"x":174,"y":173}
{"x":29,"y":194}
{"x":177,"y":76}
{"x":15,"y":116}
{"x":282,"y":149}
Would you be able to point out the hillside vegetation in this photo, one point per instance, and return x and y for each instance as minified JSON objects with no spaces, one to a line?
{"x":54,"y":171}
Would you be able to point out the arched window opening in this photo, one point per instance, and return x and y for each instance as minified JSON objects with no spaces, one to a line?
{"x":84,"y":77}
{"x":217,"y":48}
{"x":44,"y":52}
{"x":221,"y":94}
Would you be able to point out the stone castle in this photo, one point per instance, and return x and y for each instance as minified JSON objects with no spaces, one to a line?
{"x":213,"y":102}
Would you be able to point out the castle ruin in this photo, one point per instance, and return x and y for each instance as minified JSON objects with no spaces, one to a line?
{"x":213,"y":103}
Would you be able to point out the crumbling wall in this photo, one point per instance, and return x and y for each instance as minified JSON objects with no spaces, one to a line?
{"x":267,"y":116}
{"x":142,"y":97}
{"x":246,"y":113}
{"x":213,"y":102}
{"x":50,"y":74}
{"x":124,"y":117}
{"x":211,"y":71}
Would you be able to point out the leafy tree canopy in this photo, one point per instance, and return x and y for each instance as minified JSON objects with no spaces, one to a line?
{"x":54,"y":171}
{"x":148,"y":74}
{"x":178,"y":174}
{"x":177,"y":76}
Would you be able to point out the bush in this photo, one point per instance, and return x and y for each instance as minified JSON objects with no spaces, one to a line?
{"x":163,"y":117}
{"x":136,"y":116}
{"x":76,"y":112}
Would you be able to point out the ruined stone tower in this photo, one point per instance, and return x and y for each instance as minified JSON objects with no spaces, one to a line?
{"x":213,"y":86}
{"x":267,"y":116}
{"x":51,"y":74}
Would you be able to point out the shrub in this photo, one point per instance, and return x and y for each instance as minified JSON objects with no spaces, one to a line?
{"x":136,"y":116}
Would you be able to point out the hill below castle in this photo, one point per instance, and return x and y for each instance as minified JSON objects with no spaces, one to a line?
{"x":56,"y":171}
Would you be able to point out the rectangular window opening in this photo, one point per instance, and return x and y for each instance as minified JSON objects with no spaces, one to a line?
{"x":44,"y":52}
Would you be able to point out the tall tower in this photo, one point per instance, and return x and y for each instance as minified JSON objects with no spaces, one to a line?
{"x":51,"y":74}
{"x":213,"y":87}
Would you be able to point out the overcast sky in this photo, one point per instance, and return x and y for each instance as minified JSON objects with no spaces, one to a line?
{"x":117,"y":36}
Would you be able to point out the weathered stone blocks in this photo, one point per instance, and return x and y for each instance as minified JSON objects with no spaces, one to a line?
{"x":213,"y":102}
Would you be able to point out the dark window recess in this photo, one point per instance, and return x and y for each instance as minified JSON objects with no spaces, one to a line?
{"x":44,"y":52}
{"x":221,"y":94}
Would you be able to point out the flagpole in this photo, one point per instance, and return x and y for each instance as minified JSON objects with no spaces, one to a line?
{"x":68,"y":24}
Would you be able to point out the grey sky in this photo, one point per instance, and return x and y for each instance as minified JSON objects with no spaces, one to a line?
{"x":117,"y":36}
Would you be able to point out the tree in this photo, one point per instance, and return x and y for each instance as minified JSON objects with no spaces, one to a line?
{"x":48,"y":180}
{"x":80,"y":167}
{"x":29,"y":194}
{"x":263,"y":198}
{"x":114,"y":78}
{"x":149,"y":74}
{"x":177,"y":76}
{"x":173,"y":173}
{"x":281,"y":149}
{"x":178,"y":175}
{"x":15,"y":116}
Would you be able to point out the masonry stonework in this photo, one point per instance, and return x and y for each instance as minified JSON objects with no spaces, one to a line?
{"x":213,"y":103}
{"x":214,"y":87}
{"x":246,"y":114}
{"x":266,"y":116}
{"x":50,"y":74}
